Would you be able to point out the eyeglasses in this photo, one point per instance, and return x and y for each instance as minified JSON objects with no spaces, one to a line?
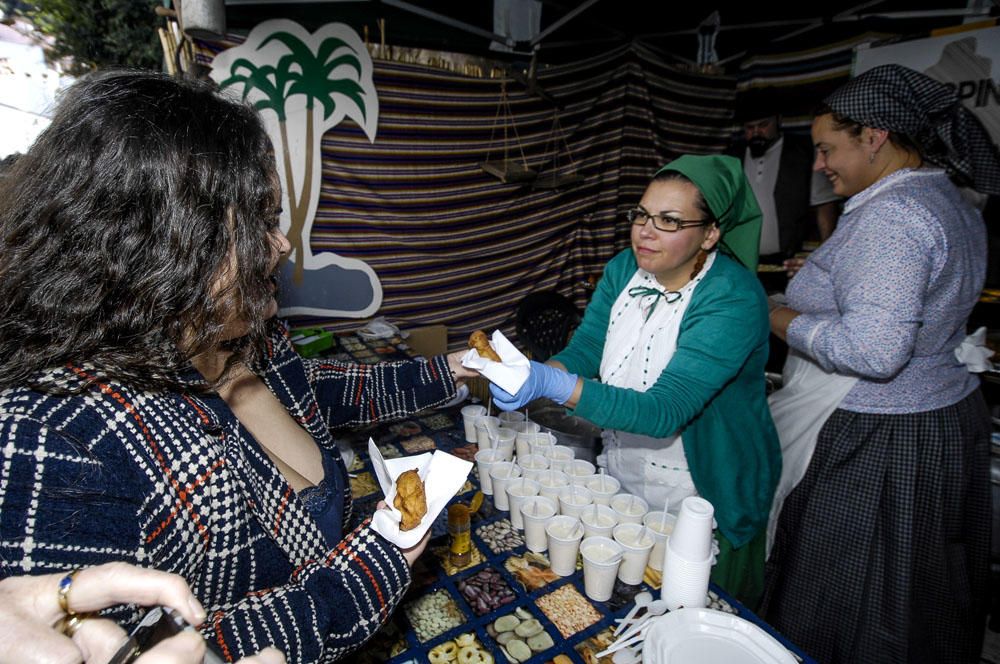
{"x":639,"y":217}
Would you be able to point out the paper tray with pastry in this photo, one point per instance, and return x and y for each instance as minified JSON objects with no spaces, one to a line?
{"x":442,"y":475}
{"x":509,"y":372}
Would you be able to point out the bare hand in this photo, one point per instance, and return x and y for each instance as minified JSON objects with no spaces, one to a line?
{"x":29,"y":606}
{"x":793,"y":265}
{"x":414,"y":551}
{"x":457,"y":370}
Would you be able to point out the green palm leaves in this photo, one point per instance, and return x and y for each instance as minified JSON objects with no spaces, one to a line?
{"x":330,"y":72}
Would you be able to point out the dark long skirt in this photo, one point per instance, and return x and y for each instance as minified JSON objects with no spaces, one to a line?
{"x":882,"y":551}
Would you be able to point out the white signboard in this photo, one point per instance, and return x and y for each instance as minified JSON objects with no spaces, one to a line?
{"x":304,"y":84}
{"x":968,"y":60}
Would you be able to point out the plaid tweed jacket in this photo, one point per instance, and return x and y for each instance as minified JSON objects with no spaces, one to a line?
{"x":174,"y":481}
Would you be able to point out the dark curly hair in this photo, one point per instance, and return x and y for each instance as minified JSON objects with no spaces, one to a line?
{"x":118,"y":227}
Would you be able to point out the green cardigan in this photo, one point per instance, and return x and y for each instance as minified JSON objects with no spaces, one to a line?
{"x":712,"y":390}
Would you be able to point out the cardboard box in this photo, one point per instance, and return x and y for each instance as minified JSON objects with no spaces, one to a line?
{"x":428,"y":340}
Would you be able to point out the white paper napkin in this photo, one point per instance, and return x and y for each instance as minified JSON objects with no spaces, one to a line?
{"x":973,"y":353}
{"x":510,"y":373}
{"x":443,"y":475}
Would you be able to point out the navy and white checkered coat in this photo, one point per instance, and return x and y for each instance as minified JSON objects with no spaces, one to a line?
{"x":173,"y":481}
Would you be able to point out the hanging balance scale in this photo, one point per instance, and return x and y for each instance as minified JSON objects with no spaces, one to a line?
{"x":554,"y":178}
{"x":507,"y":170}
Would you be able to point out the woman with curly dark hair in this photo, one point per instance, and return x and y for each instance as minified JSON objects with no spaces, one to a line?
{"x":152,"y":410}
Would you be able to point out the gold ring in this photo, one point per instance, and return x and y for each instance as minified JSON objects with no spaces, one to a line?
{"x":70,"y":623}
{"x":64,"y":585}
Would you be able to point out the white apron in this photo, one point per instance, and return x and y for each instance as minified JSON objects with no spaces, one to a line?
{"x":808,"y":397}
{"x":638,"y":347}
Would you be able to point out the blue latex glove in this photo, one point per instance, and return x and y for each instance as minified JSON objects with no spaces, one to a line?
{"x":543,"y":381}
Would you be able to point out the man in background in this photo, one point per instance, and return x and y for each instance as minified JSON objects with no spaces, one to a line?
{"x":779,"y":167}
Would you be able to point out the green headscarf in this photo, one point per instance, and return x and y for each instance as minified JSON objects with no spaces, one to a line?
{"x":727,"y":192}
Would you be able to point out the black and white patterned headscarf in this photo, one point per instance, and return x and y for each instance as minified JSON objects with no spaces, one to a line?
{"x":928,"y":112}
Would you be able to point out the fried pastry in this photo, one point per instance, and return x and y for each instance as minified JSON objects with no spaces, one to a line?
{"x":410,"y":499}
{"x":481,"y":343}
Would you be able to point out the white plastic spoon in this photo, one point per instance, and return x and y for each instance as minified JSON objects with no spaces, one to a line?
{"x":642,"y":600}
{"x":622,"y":643}
{"x":655,"y":608}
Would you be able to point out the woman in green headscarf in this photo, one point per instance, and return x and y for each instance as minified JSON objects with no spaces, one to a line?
{"x":669,"y":360}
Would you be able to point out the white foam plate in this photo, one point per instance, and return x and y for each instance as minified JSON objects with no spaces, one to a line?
{"x":706,"y":636}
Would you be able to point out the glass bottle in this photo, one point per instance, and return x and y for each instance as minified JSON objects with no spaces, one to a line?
{"x":459,"y":539}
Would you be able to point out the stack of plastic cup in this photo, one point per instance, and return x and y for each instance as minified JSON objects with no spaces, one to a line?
{"x":553,"y":483}
{"x":637,"y":544}
{"x":687,"y":560}
{"x":486,"y":431}
{"x":525,"y":435}
{"x":560,"y":457}
{"x":580,"y":472}
{"x":564,"y":534}
{"x":574,"y":500}
{"x":501,"y":474}
{"x":505,"y":443}
{"x":598,"y":521}
{"x":517,"y":491}
{"x":532,"y":465}
{"x":485,"y":458}
{"x":603,"y":487}
{"x":536,"y":512}
{"x":660,"y":525}
{"x":629,"y":508}
{"x":601,"y":558}
{"x":470,"y":414}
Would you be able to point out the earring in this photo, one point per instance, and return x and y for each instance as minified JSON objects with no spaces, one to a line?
{"x":699,"y":263}
{"x":871,"y":157}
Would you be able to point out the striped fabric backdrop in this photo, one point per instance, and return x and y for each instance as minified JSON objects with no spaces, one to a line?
{"x":452,"y":244}
{"x":801,"y":79}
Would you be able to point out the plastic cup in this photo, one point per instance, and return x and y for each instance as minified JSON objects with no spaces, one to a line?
{"x":525,"y":434}
{"x":536,"y":512}
{"x":560,"y":457}
{"x":553,"y":483}
{"x":517,"y":491}
{"x":485,"y":459}
{"x":511,"y":417}
{"x":574,"y":500}
{"x":541,"y":442}
{"x":532,"y":465}
{"x":501,"y":474}
{"x":601,"y":559}
{"x":603,"y":488}
{"x":580,"y":471}
{"x":685,"y":583}
{"x":564,"y":534}
{"x":598,"y":521}
{"x":660,"y":526}
{"x":487,"y":427}
{"x":692,"y":535}
{"x":637,"y":544}
{"x":469,"y":415}
{"x":505,"y":442}
{"x":629,"y":508}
